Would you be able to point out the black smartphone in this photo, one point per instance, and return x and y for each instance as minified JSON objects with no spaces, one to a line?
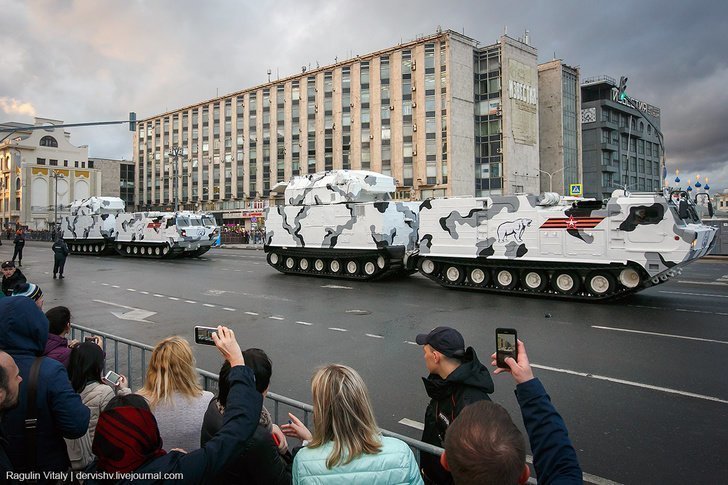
{"x":506,"y":345}
{"x":203,"y":335}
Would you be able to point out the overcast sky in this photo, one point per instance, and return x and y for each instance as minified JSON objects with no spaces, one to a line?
{"x":95,"y":60}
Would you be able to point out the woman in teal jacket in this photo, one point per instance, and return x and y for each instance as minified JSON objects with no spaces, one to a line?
{"x":346,"y":445}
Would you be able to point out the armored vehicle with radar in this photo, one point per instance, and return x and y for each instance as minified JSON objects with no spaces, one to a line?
{"x":560,"y":246}
{"x":343,"y":224}
{"x":99,"y":225}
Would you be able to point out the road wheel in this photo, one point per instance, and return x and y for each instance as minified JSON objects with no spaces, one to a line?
{"x":157,"y":251}
{"x":273,"y":259}
{"x":479,"y":277}
{"x":290,"y":263}
{"x":534,"y":280}
{"x":135,"y":250}
{"x":505,"y":279}
{"x":566,"y":282}
{"x":454,"y":274}
{"x":303,"y":264}
{"x":370,"y":268}
{"x":600,"y":283}
{"x":352,"y":267}
{"x":381,"y":262}
{"x":319,"y":265}
{"x":335,"y":266}
{"x":427,"y":266}
{"x":128,"y":250}
{"x":629,"y":277}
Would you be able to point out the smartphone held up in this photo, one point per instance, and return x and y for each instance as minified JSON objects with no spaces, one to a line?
{"x":506,"y":342}
{"x":203,"y":335}
{"x":112,"y":378}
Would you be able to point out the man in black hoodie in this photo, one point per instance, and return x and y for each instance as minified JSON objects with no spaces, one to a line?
{"x":457,"y":378}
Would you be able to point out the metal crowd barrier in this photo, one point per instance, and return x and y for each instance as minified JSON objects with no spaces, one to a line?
{"x":130,"y":359}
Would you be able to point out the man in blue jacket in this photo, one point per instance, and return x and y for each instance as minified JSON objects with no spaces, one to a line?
{"x":60,"y":412}
{"x":483,"y":445}
{"x":9,"y":389}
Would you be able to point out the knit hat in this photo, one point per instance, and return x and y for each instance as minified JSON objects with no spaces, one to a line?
{"x":126,"y":438}
{"x":30,"y":290}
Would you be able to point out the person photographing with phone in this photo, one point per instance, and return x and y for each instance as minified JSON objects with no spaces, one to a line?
{"x":127,"y":437}
{"x":483,"y":445}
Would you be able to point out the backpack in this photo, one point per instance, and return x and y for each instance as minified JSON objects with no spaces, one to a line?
{"x":79,"y":451}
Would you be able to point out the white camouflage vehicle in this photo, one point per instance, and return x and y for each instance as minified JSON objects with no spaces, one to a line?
{"x":99,"y":225}
{"x":343,"y":224}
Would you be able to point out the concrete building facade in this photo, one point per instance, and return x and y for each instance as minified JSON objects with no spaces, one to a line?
{"x":42,"y":173}
{"x":440,"y":114}
{"x":560,"y":126}
{"x":117,"y":179}
{"x":621,"y":145}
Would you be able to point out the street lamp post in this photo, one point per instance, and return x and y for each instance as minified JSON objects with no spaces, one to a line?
{"x":551,"y":174}
{"x":56,"y":174}
{"x":176,"y":152}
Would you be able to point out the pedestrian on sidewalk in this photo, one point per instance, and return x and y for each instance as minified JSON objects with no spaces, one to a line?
{"x":60,"y":252}
{"x":19,"y":242}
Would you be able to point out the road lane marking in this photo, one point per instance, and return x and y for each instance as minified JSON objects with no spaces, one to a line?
{"x":208,"y":305}
{"x":276,"y":318}
{"x":631,"y":383}
{"x":130,"y":289}
{"x":337,"y":287}
{"x":190,"y":301}
{"x":304,"y":323}
{"x":251,"y":313}
{"x":412,"y":424}
{"x":229,"y":309}
{"x":158,"y":295}
{"x":673,"y":309}
{"x":661,"y":334}
{"x":144,"y":292}
{"x":114,"y":286}
{"x":410,"y":342}
{"x":173,"y":298}
{"x":337,"y":329}
{"x":710,"y":295}
{"x":105,"y":284}
{"x":373,"y":335}
{"x":703,"y":282}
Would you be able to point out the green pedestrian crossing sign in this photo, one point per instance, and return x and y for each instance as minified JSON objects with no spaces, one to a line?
{"x":575,"y":190}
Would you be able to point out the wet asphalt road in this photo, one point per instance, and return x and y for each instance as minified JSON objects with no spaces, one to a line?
{"x":640,"y":382}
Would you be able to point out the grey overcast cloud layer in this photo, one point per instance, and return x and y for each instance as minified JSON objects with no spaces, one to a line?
{"x":93,"y":60}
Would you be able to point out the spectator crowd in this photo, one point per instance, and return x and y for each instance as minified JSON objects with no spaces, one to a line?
{"x":60,"y":412}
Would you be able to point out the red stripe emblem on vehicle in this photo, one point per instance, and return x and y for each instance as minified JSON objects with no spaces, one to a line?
{"x":571,"y":222}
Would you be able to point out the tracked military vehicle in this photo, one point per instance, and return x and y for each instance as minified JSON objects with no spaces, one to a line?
{"x":99,"y":225}
{"x":341,"y":224}
{"x":569,"y":247}
{"x":344,"y":224}
{"x":91,"y":227}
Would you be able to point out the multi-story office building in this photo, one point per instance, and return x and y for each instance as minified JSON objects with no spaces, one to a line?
{"x":622,"y":144}
{"x":559,"y":101}
{"x":117,"y":179}
{"x":42,"y":173}
{"x":440,"y":114}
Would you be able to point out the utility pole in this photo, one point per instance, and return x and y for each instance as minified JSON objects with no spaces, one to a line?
{"x":56,"y":174}
{"x":551,"y":174}
{"x":175,"y":152}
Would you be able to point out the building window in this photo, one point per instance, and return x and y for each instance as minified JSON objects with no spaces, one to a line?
{"x":40,"y":161}
{"x":48,"y":141}
{"x":53,"y":162}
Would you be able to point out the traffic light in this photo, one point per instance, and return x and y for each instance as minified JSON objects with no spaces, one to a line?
{"x":132,"y":121}
{"x":622,"y":95}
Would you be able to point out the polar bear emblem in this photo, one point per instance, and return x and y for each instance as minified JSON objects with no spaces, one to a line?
{"x":513,"y":228}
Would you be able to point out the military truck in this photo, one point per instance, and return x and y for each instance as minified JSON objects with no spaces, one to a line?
{"x":344,"y":224}
{"x":91,"y":227}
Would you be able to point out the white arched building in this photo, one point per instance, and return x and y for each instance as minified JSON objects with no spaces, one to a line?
{"x":41,"y":171}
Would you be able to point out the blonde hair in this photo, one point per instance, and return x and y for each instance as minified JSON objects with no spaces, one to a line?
{"x":342,"y":414}
{"x":171,"y":369}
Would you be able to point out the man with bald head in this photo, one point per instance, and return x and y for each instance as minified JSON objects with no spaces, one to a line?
{"x":9,"y":388}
